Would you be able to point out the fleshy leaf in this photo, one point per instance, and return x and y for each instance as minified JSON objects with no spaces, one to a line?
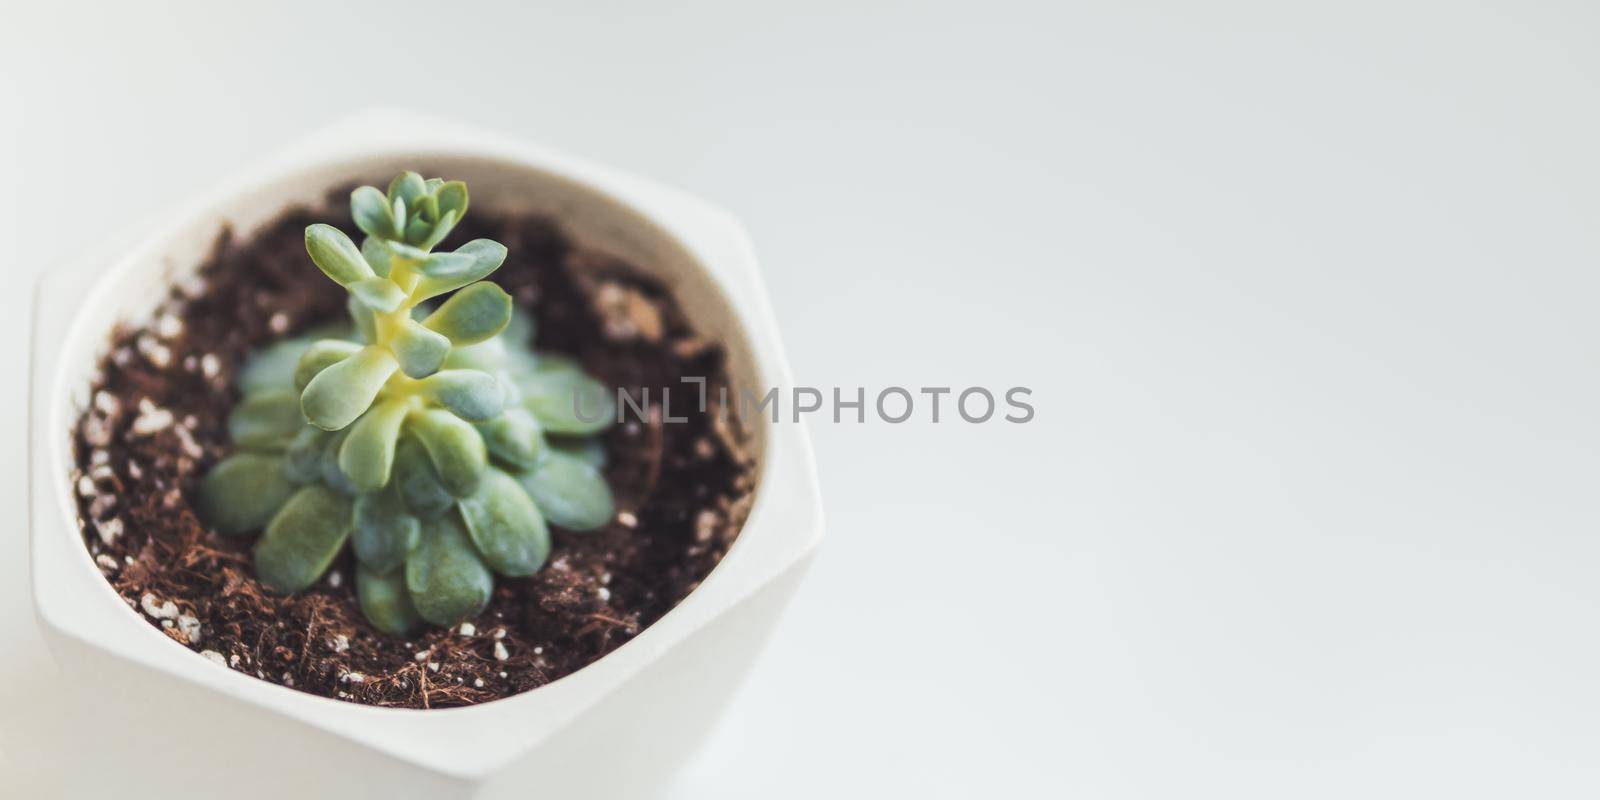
{"x":505,"y":526}
{"x":303,"y":539}
{"x":367,"y":454}
{"x":372,"y":212}
{"x":378,"y":294}
{"x":454,"y":447}
{"x":447,"y":580}
{"x":340,"y":393}
{"x":271,"y":367}
{"x":384,"y":533}
{"x":564,"y":398}
{"x":336,"y":255}
{"x":473,"y":395}
{"x":589,"y":450}
{"x":414,"y":477}
{"x":406,"y":251}
{"x":266,"y":420}
{"x":320,"y":355}
{"x":385,"y":602}
{"x":376,"y":254}
{"x":417,"y":231}
{"x":475,"y":313}
{"x":452,"y":197}
{"x":428,"y":207}
{"x":243,"y":491}
{"x":366,"y":322}
{"x":408,"y":186}
{"x":488,"y":356}
{"x":421,"y":351}
{"x":570,"y":492}
{"x":444,"y":272}
{"x":514,"y":437}
{"x":303,"y":459}
{"x":447,"y":222}
{"x":328,"y":470}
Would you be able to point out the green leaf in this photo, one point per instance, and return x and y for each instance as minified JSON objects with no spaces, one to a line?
{"x":407,"y":186}
{"x":377,"y":255}
{"x":266,"y":419}
{"x":271,"y":367}
{"x":570,"y":492}
{"x":385,"y":601}
{"x":340,"y":393}
{"x":447,"y":265}
{"x":409,"y":252}
{"x":506,"y":527}
{"x":372,"y":212}
{"x":488,"y":356}
{"x":303,"y":459}
{"x":384,"y":533}
{"x":433,"y":185}
{"x":473,"y":395}
{"x":320,"y":355}
{"x":421,"y":351}
{"x":242,"y":492}
{"x":417,"y":231}
{"x":514,"y":437}
{"x":557,"y":390}
{"x":452,"y":197}
{"x":366,"y":322}
{"x":328,"y":470}
{"x":378,"y":294}
{"x":303,"y":539}
{"x":454,"y":447}
{"x":428,"y":206}
{"x":447,"y":580}
{"x":417,"y":482}
{"x":367,"y":454}
{"x":336,"y":255}
{"x":444,"y":272}
{"x":447,"y":222}
{"x":476,"y":313}
{"x":589,"y":450}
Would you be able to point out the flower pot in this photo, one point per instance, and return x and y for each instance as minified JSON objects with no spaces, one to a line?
{"x":152,"y":719}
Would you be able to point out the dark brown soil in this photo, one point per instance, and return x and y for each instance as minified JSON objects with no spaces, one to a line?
{"x":157,"y":424}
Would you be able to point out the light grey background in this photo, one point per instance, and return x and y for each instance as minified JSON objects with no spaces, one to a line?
{"x":1305,"y":292}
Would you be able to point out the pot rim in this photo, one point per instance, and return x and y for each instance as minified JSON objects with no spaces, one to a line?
{"x":73,"y":599}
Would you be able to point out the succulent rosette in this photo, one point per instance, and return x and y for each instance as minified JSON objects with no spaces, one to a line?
{"x":428,"y":435}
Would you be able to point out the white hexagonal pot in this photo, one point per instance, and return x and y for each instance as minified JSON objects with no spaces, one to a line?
{"x":157,"y":720}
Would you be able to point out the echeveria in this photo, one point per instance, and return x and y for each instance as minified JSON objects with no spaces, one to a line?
{"x":419,"y":439}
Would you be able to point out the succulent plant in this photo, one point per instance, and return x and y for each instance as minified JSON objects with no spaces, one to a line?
{"x":431,"y":439}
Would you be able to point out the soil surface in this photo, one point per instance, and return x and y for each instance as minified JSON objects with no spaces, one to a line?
{"x":156,"y":425}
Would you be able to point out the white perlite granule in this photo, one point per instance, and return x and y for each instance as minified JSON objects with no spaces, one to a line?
{"x":109,"y":530}
{"x":158,"y":609}
{"x":152,"y":419}
{"x":158,"y":354}
{"x":168,"y":326}
{"x":189,"y":628}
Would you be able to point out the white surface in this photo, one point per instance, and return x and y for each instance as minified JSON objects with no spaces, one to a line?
{"x":1306,"y":298}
